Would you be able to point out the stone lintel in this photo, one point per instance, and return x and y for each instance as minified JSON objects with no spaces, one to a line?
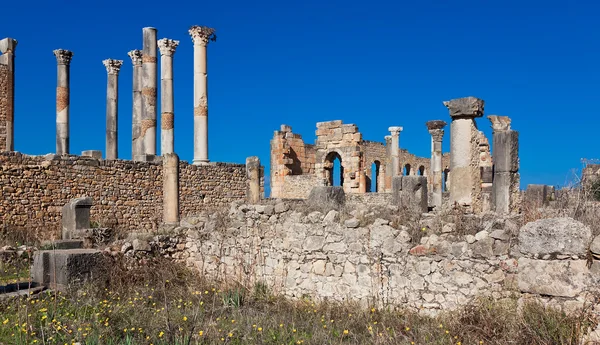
{"x":329,"y":124}
{"x":395,"y":130}
{"x":8,"y":45}
{"x":435,"y":124}
{"x":465,"y":107}
{"x":63,"y":56}
{"x":500,"y":123}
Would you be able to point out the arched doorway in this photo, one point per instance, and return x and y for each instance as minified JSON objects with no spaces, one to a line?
{"x":333,"y":164}
{"x":407,"y":170}
{"x":421,"y":171}
{"x":375,"y":176}
{"x":445,"y":180}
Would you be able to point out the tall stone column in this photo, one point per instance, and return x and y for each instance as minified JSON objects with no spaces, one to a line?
{"x":137,"y":148}
{"x":8,"y":47}
{"x":167,"y":140}
{"x":388,"y":165}
{"x":112,"y":107}
{"x":436,"y":129}
{"x":63,"y":59}
{"x":201,"y":35}
{"x":253,"y":176}
{"x":464,"y":156}
{"x":170,"y":188}
{"x":506,"y":182}
{"x":395,"y":151}
{"x":149,"y":81}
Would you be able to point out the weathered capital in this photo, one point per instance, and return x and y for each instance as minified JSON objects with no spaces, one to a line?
{"x":8,"y":45}
{"x":435,"y":124}
{"x":63,"y":57}
{"x":437,"y":134}
{"x":395,"y":130}
{"x":387,"y":138}
{"x":465,"y":107}
{"x":136,"y":57}
{"x":202,"y":35}
{"x":112,"y":66}
{"x":167,"y":46}
{"x":500,"y":123}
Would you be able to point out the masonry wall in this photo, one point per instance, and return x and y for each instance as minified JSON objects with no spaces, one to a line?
{"x":127,"y":195}
{"x":298,"y":186}
{"x":4,"y":105}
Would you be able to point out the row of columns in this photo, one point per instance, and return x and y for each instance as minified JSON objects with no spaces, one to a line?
{"x":144,"y":112}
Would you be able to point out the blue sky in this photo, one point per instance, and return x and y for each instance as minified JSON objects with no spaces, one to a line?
{"x":376,"y":64}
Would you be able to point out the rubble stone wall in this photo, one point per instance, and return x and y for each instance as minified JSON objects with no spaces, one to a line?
{"x":127,"y":195}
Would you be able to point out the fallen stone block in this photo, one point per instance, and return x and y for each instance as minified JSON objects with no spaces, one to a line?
{"x":555,"y":236}
{"x":327,"y":197}
{"x":560,"y":278}
{"x":59,"y":269}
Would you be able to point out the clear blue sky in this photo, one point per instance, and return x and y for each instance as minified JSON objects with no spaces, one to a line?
{"x":372,"y":63}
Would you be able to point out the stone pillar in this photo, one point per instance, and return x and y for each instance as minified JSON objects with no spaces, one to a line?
{"x":253,"y":176}
{"x":395,"y":151}
{"x":388,"y":165}
{"x":112,"y":103}
{"x":149,"y":81}
{"x":464,"y":155}
{"x":167,"y":140}
{"x":362,"y":181}
{"x":436,"y":129}
{"x":170,"y":188}
{"x":7,"y":48}
{"x":137,"y":148}
{"x":63,"y":58}
{"x":506,"y":182}
{"x":201,"y":35}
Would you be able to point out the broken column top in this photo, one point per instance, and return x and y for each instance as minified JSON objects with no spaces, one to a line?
{"x":8,"y":45}
{"x":112,"y":66}
{"x":465,"y":107}
{"x":252,"y":162}
{"x":202,"y":34}
{"x":63,"y":57}
{"x":500,"y":123}
{"x":395,"y":130}
{"x":435,"y":124}
{"x":136,"y":56}
{"x":167,"y":46}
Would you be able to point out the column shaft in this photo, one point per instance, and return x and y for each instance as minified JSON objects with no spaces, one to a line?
{"x":167,"y":116}
{"x":437,"y":134}
{"x":170,"y":188}
{"x":112,"y":119}
{"x":149,"y":83}
{"x":395,"y":150}
{"x":253,"y":194}
{"x":506,"y":182}
{"x":63,"y":58}
{"x":137,"y":148}
{"x":7,"y":48}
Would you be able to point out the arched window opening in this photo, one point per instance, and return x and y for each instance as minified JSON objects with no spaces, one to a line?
{"x":445,"y":180}
{"x":407,"y":170}
{"x":375,"y":176}
{"x":334,"y":170}
{"x":421,"y":171}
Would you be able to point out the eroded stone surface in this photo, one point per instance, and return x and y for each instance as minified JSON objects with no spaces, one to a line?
{"x":553,"y":236}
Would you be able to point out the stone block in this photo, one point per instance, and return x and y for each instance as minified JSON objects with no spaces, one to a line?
{"x":60,"y":269}
{"x":560,"y":278}
{"x":538,"y":195}
{"x":506,"y":151}
{"x":97,"y":154}
{"x":75,"y":216}
{"x":62,"y":244}
{"x":410,"y":191}
{"x":554,"y":236}
{"x":327,"y":197}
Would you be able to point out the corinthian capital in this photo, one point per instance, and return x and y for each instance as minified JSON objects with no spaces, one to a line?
{"x":202,"y":34}
{"x":167,"y":46}
{"x":112,"y":66}
{"x":136,"y":57}
{"x":63,"y":57}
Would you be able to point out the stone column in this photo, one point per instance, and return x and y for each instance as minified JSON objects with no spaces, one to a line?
{"x":7,"y":48}
{"x":149,"y":81}
{"x":63,"y":58}
{"x":137,"y":148}
{"x":167,"y":140}
{"x":464,"y":157}
{"x":388,"y":165}
{"x":112,"y":103}
{"x":506,"y":183}
{"x":395,"y":151}
{"x":201,"y":35}
{"x":436,"y":129}
{"x":170,"y":188}
{"x":253,"y":175}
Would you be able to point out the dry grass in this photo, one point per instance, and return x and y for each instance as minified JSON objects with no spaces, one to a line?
{"x":160,"y":302}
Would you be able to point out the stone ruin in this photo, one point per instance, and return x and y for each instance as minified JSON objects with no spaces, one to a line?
{"x":470,"y":176}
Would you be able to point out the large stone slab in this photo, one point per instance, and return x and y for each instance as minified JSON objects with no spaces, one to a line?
{"x":555,"y":236}
{"x":60,"y":269}
{"x":327,"y":197}
{"x":560,"y":278}
{"x":410,"y":191}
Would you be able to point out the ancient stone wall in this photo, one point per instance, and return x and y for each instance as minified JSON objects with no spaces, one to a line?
{"x":127,"y":195}
{"x":289,"y":156}
{"x":374,"y":152}
{"x":4,"y":111}
{"x":298,"y":186}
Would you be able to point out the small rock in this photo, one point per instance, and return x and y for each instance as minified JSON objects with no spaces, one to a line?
{"x":331,"y":217}
{"x":352,"y":223}
{"x":481,"y":235}
{"x":500,"y":235}
{"x":380,"y":221}
{"x":470,"y":239}
{"x":126,"y":247}
{"x":141,"y":245}
{"x":448,"y":227}
{"x":595,"y":247}
{"x":281,"y":207}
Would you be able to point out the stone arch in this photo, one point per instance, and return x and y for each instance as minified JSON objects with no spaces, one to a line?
{"x":375,"y":179}
{"x":328,"y":166}
{"x":406,"y":171}
{"x":421,"y":171}
{"x":445,"y":180}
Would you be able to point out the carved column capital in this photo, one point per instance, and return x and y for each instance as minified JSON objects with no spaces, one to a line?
{"x":500,"y":123}
{"x":136,"y":57}
{"x":167,"y":46}
{"x":437,"y":134}
{"x":436,"y":129}
{"x":467,"y":107}
{"x":395,"y":130}
{"x":201,"y":35}
{"x":112,"y":66}
{"x":63,"y":57}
